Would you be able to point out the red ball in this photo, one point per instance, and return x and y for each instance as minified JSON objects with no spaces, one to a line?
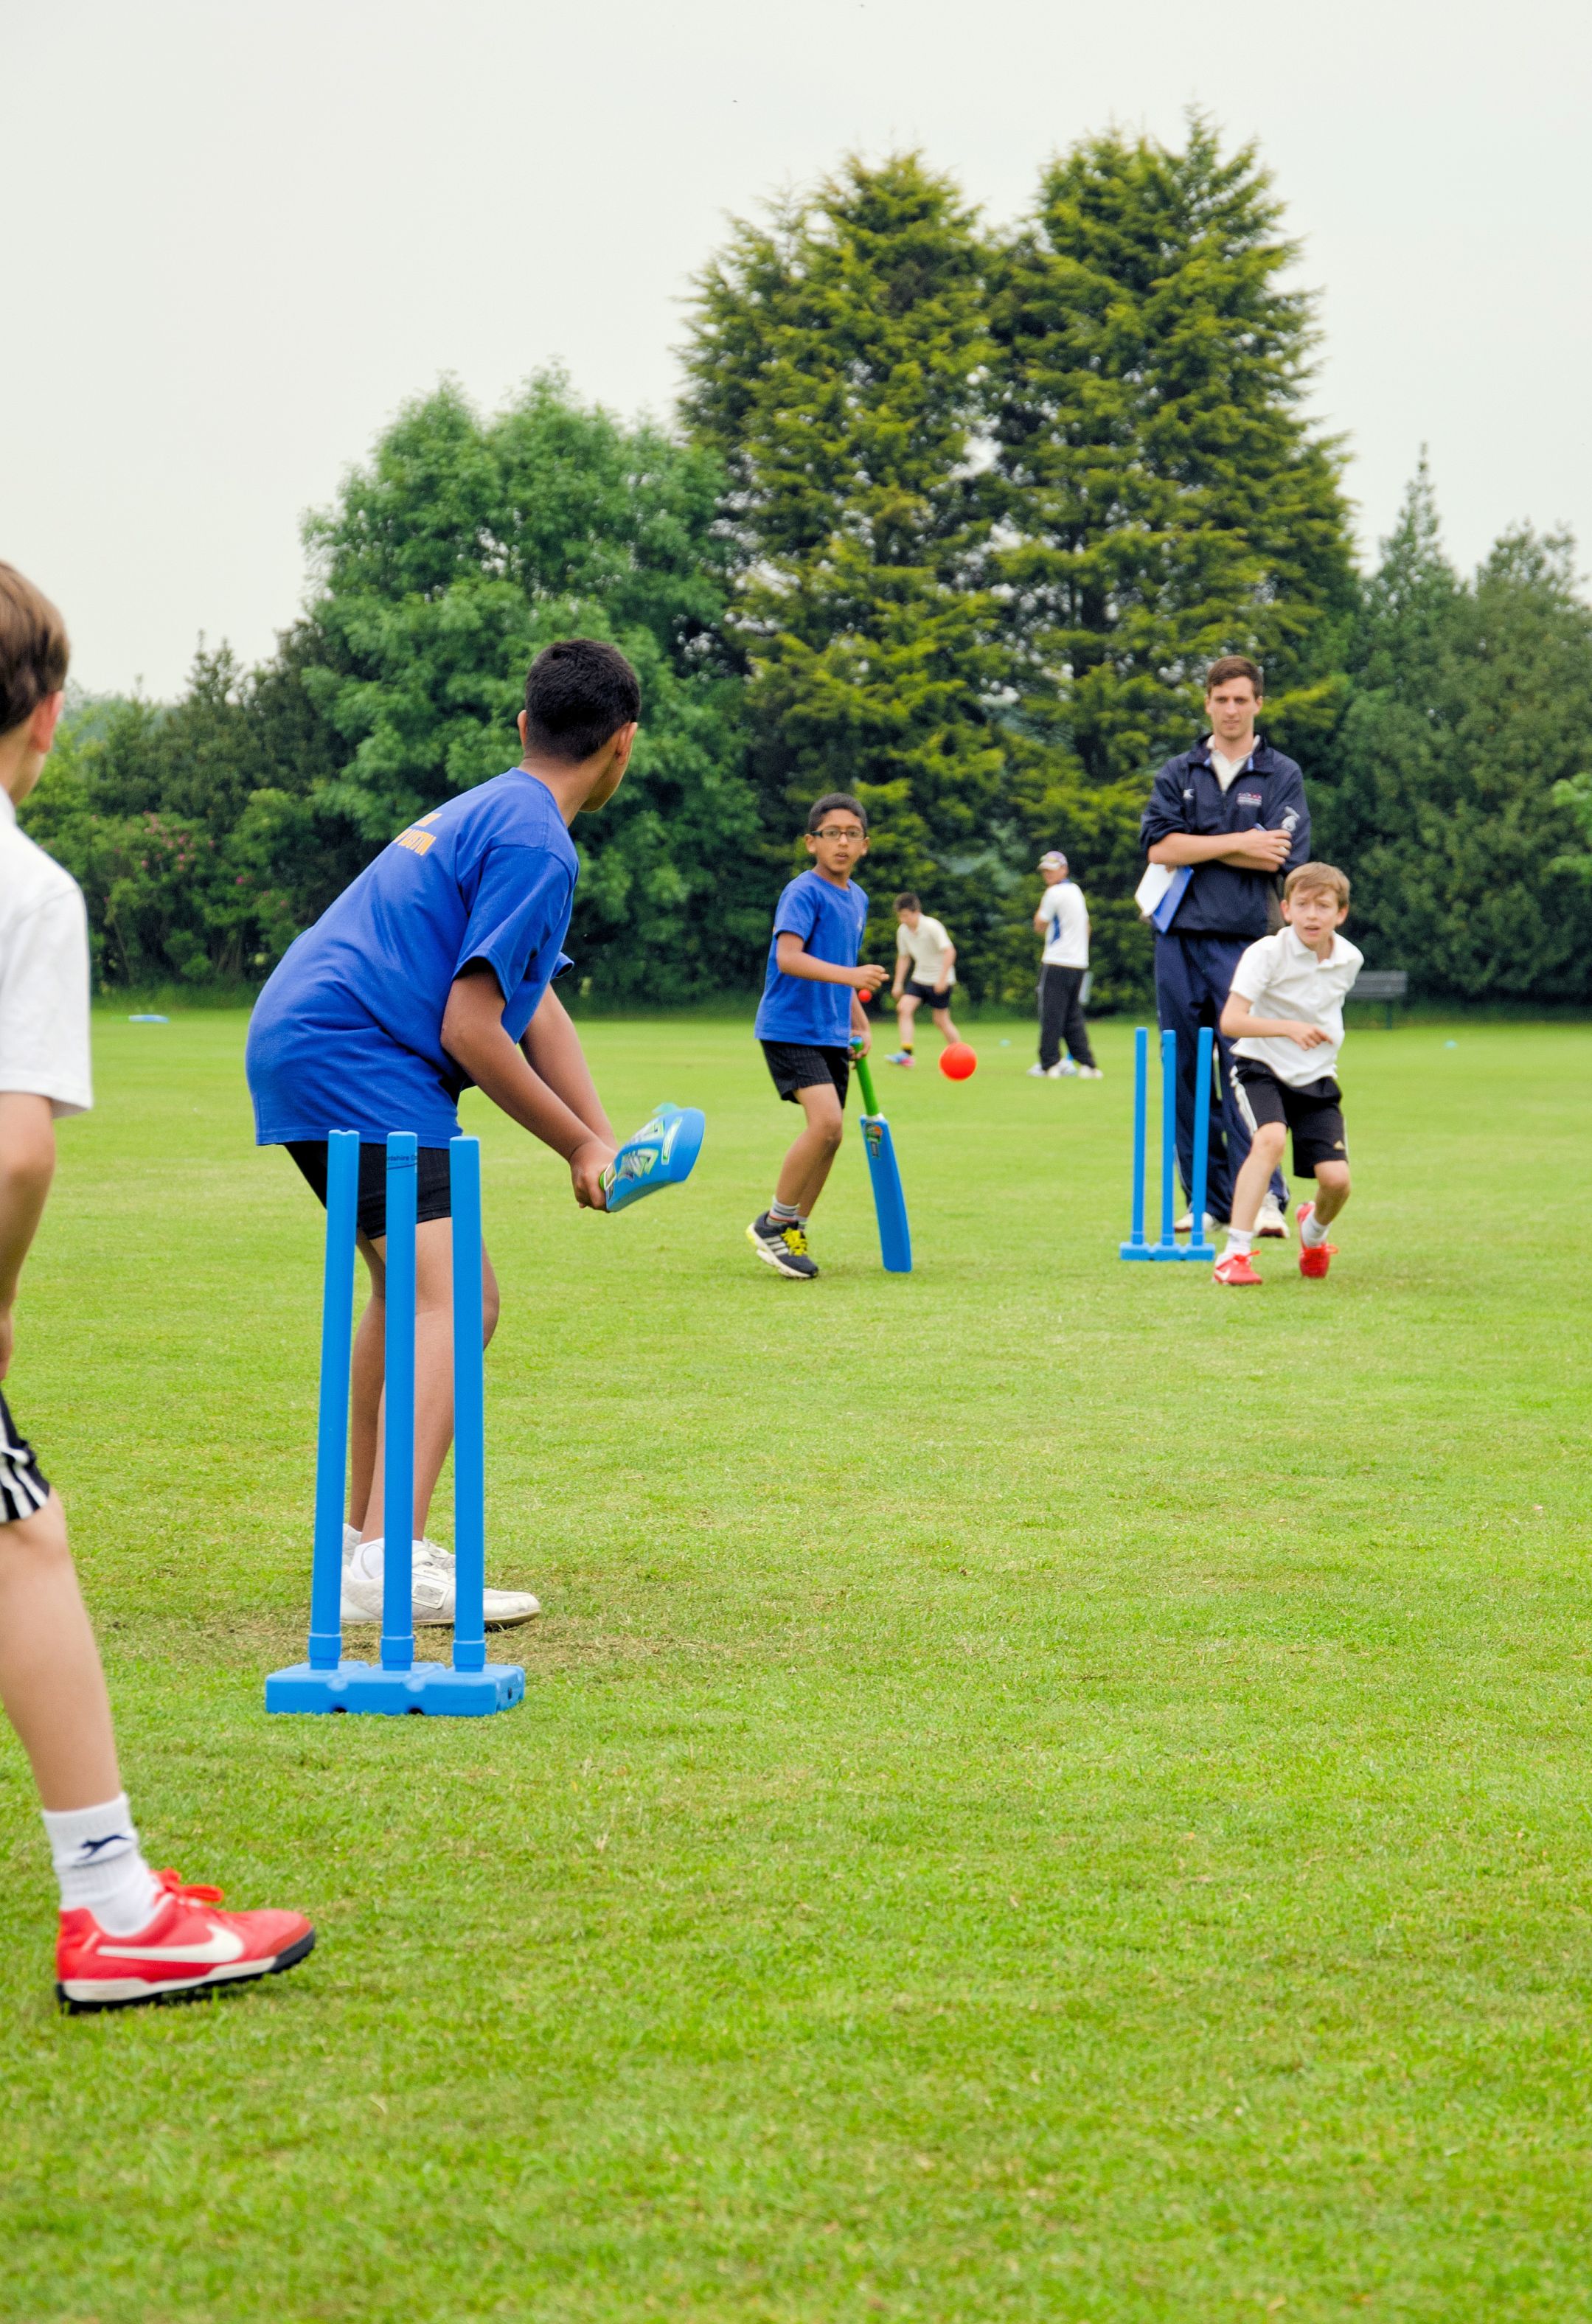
{"x":958,"y":1061}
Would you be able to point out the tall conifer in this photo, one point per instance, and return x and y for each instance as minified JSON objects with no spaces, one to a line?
{"x":1164,"y":497}
{"x":835,"y":366}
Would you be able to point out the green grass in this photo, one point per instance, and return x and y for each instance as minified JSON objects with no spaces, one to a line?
{"x":1045,"y":1790}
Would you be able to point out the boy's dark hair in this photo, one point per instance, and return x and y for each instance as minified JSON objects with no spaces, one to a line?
{"x":578,"y":692}
{"x":833,"y":803}
{"x":907,"y":902}
{"x":33,"y":649}
{"x":1235,"y":666}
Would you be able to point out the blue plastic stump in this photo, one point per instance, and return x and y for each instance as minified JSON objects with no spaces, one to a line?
{"x":472,"y":1688}
{"x":1167,"y":1247}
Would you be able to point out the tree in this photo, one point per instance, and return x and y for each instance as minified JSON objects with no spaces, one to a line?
{"x":464,"y":546}
{"x":1162,"y":496}
{"x":834,"y":367}
{"x":1459,"y":763}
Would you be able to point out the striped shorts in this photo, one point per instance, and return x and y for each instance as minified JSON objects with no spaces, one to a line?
{"x":24,"y":1487}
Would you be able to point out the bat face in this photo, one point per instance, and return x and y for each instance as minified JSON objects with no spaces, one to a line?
{"x":896,"y":1241}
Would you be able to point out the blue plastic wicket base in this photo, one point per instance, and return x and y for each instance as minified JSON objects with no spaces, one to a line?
{"x":435,"y":1690}
{"x":1176,"y":1251}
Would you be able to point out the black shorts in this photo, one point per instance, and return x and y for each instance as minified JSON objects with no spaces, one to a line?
{"x":1313,"y":1114}
{"x":941,"y":1000}
{"x":433,"y":1192}
{"x":796,"y":1067}
{"x":24,"y":1487}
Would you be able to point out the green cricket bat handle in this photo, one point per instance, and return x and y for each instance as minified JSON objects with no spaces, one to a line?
{"x":864,"y":1081}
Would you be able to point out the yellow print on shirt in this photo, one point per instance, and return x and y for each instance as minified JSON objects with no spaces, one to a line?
{"x":417,"y":838}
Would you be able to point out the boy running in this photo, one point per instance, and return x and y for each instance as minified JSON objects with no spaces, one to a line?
{"x":925,"y":972}
{"x":810,"y":1015}
{"x":127,"y":1935}
{"x":1285,"y":1018}
{"x":431,"y":973}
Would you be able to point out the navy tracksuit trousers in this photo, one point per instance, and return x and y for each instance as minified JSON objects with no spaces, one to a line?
{"x":1193,"y":976}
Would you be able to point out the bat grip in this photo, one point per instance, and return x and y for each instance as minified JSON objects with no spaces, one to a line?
{"x":864,"y":1081}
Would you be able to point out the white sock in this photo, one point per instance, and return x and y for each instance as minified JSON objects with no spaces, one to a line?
{"x":100,"y":1866}
{"x":1239,"y":1240}
{"x":1313,"y":1232}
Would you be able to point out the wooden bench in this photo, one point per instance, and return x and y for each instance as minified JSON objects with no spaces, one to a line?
{"x":1385,"y":984}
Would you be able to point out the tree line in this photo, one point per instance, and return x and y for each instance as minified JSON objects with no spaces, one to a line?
{"x":950,"y":516}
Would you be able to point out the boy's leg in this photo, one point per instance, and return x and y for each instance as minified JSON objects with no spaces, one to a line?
{"x":1075,"y":1032}
{"x":50,"y":1680}
{"x":1052,"y":1006}
{"x":1332,"y":1191}
{"x":1265,"y":1152}
{"x":906,"y":1009}
{"x":433,"y":1371}
{"x":948,"y":1032}
{"x":808,"y":1163}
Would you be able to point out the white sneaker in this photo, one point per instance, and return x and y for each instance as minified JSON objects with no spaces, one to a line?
{"x":431,"y":1602}
{"x":1185,"y":1225}
{"x":1065,"y":1072}
{"x":1271,"y":1221}
{"x":1090,"y":1074}
{"x":1036,"y":1073}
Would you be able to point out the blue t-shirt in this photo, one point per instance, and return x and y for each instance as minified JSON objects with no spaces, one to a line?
{"x":829,"y":920}
{"x":348,"y":1034}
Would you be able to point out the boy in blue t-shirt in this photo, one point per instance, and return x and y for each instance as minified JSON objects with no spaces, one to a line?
{"x":433,"y":972}
{"x":809,"y":1017}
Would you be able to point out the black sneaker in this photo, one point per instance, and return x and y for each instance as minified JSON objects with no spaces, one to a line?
{"x":784,"y":1247}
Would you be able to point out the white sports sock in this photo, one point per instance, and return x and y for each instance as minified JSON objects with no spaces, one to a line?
{"x":1239,"y":1240}
{"x":1313,"y":1232}
{"x":100,"y":1866}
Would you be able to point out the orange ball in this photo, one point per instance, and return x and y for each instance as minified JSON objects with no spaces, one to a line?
{"x":957,"y":1062}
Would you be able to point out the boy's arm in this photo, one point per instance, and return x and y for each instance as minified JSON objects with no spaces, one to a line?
{"x":552,"y":1047}
{"x":27,"y":1164}
{"x":1239,"y":1023}
{"x":902,"y":963}
{"x":472,"y":1034}
{"x":793,"y":958}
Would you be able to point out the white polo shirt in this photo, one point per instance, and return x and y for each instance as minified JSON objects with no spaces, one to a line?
{"x":43,"y":974}
{"x":1067,"y":926}
{"x":1282,"y":977}
{"x":925,"y":949}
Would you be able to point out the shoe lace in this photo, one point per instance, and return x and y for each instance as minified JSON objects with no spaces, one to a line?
{"x":186,"y":1892}
{"x":795,"y":1239}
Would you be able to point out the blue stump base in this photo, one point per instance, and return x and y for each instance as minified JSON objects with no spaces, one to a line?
{"x":435,"y":1690}
{"x":1176,"y":1251}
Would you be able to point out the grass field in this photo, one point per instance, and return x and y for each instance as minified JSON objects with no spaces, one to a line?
{"x":1045,"y":1790}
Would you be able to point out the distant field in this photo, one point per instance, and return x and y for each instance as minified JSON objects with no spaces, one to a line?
{"x":1046,"y":1791}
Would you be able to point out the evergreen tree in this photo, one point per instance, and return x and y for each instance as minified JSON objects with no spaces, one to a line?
{"x":834,"y":367}
{"x":1455,"y":770}
{"x":1163,"y":497}
{"x":461,"y":549}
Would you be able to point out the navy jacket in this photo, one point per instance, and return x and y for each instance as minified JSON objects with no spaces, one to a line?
{"x":1220,"y":900}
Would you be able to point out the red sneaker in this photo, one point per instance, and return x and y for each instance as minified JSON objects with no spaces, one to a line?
{"x":1234,"y":1268}
{"x":1314,"y":1258}
{"x":187,"y":1948}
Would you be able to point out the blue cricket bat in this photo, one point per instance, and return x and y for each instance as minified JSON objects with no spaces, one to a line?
{"x":895,"y":1239}
{"x":662,"y":1153}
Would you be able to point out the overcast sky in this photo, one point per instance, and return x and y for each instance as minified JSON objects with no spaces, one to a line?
{"x":252,"y":233}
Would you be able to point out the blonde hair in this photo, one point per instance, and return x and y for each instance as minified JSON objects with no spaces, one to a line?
{"x":1318,"y":879}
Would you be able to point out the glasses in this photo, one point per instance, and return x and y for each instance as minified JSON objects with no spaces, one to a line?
{"x":838,"y":830}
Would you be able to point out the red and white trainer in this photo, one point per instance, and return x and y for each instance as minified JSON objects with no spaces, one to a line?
{"x":188,"y":1948}
{"x":1235,"y":1267}
{"x":1314,"y":1258}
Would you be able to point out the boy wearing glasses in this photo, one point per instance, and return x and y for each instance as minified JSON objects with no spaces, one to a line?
{"x":810,"y":1014}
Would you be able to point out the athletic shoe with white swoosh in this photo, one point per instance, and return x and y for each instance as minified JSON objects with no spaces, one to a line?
{"x":188,"y":1948}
